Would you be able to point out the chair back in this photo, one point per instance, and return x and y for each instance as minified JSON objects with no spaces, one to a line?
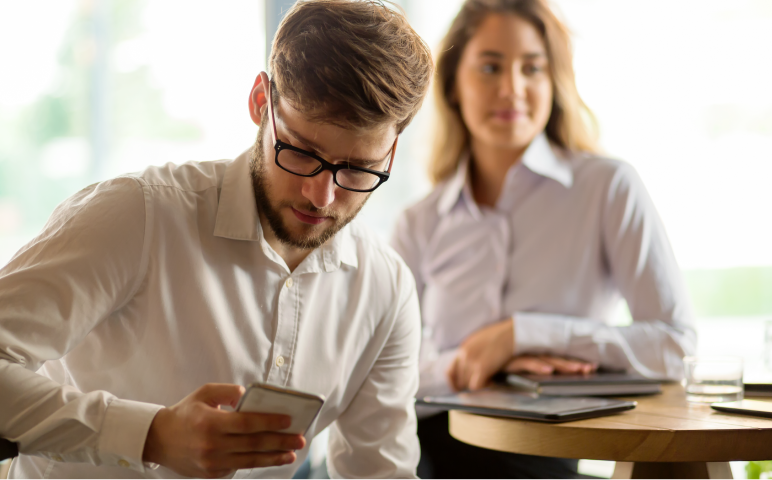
{"x":8,"y":449}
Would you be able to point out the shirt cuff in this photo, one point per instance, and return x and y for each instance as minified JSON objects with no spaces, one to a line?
{"x":123,"y":434}
{"x":539,"y":333}
{"x":434,"y":378}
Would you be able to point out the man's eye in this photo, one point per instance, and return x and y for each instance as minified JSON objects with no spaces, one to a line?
{"x":490,"y":69}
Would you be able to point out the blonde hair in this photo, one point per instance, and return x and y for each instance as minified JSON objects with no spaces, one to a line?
{"x":571,"y":124}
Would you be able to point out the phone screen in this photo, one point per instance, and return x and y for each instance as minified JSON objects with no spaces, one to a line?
{"x":302,"y":407}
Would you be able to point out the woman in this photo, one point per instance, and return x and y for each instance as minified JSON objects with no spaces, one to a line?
{"x":529,"y":240}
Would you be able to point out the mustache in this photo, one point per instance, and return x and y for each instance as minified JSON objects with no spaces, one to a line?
{"x":309,"y":207}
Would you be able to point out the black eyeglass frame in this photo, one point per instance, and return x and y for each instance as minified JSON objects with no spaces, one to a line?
{"x":278,"y":146}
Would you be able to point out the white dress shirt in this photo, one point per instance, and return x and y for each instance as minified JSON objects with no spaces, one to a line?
{"x":569,"y":235}
{"x":143,"y":288}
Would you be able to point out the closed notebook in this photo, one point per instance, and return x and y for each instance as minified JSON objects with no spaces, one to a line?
{"x":594,"y":384}
{"x":503,"y":401}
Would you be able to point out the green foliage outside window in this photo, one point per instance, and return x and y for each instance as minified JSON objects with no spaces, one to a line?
{"x":92,"y":104}
{"x":756,"y":469}
{"x":731,"y":292}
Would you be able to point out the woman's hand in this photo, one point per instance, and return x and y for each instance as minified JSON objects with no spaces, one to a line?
{"x":481,"y":355}
{"x":547,"y":365}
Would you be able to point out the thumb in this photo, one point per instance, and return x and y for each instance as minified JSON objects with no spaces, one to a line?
{"x":216,"y":394}
{"x":478,"y":380}
{"x":450,"y":374}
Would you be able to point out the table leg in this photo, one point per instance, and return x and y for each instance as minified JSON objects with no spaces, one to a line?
{"x":672,"y":470}
{"x":4,"y":468}
{"x":623,"y":470}
{"x":719,"y":470}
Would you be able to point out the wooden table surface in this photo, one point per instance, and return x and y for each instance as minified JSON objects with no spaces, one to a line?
{"x":662,"y":428}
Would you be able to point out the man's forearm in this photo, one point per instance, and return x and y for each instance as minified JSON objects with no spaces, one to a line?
{"x":59,"y":422}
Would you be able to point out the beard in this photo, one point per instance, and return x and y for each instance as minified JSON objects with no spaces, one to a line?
{"x":312,"y":236}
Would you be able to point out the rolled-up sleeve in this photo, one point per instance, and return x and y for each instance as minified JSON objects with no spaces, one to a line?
{"x":88,"y":262}
{"x":644,"y":269}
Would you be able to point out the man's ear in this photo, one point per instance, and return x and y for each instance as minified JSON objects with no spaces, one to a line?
{"x":258,"y":97}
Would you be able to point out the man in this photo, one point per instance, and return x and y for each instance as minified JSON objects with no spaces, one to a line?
{"x":149,"y":300}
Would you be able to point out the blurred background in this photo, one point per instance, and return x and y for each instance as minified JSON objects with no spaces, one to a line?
{"x":90,"y":89}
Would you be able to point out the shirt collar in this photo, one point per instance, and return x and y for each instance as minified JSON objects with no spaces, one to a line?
{"x":237,"y":212}
{"x":341,"y":249}
{"x":237,"y":218}
{"x":540,"y":157}
{"x":455,"y":186}
{"x":547,"y":160}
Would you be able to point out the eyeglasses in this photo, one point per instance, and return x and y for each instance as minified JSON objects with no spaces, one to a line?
{"x":307,"y":164}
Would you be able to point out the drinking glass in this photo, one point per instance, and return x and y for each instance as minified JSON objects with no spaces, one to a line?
{"x":713,"y":379}
{"x":768,"y":344}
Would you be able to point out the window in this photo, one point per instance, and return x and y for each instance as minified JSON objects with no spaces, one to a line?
{"x":681,"y":92}
{"x":101,"y":88}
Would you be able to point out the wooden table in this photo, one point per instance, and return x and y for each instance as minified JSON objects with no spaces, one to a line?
{"x":663,"y":437}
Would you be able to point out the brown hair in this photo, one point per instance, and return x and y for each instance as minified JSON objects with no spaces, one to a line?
{"x":353,"y":63}
{"x":571,"y":124}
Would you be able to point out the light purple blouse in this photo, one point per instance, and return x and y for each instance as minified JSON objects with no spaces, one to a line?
{"x":570,"y":235}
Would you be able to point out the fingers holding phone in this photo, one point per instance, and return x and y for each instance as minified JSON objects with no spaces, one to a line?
{"x":302,"y":407}
{"x":197,"y":439}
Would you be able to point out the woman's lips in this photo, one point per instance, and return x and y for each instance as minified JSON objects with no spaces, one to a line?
{"x":508,"y":115}
{"x":308,"y":218}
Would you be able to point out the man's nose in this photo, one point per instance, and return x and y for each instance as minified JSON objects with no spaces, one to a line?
{"x":319,"y":189}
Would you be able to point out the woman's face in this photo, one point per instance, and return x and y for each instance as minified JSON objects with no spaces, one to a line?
{"x":503,"y":83}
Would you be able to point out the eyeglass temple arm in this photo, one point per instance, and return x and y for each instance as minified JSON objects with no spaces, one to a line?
{"x":393,"y":151}
{"x":269,"y":104}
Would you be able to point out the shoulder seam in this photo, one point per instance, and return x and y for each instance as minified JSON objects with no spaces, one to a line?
{"x":144,"y":183}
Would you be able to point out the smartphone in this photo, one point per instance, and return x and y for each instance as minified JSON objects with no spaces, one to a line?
{"x":301,"y":406}
{"x":759,"y":408}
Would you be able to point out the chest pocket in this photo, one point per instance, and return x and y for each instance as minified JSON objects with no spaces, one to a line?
{"x":464,"y":267}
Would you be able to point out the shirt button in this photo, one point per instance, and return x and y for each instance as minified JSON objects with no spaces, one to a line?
{"x":123,"y":463}
{"x":279,"y":361}
{"x":289,"y":283}
{"x":57,"y":458}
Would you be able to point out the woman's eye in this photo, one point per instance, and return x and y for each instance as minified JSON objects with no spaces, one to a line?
{"x":531,"y":69}
{"x":490,"y":69}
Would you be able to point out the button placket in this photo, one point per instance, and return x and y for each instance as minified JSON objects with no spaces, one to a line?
{"x":287,"y":314}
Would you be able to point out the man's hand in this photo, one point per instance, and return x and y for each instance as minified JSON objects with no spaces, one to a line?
{"x":547,"y":365}
{"x":197,"y":439}
{"x":481,"y":355}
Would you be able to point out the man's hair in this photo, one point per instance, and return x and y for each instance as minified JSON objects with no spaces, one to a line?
{"x":353,"y":63}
